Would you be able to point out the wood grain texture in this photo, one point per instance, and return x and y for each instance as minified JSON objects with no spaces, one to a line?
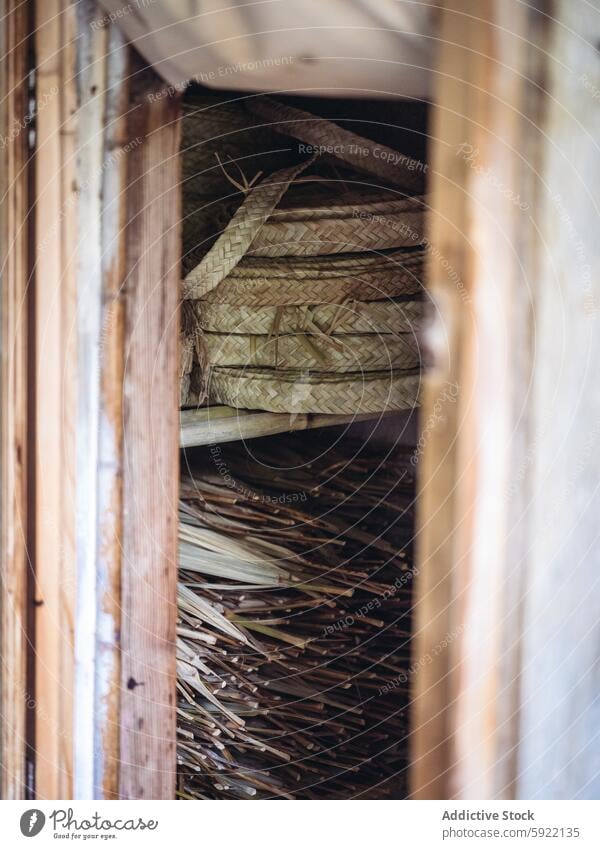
{"x":55,"y":398}
{"x":431,"y":738}
{"x":509,"y":534}
{"x":151,"y":467}
{"x":102,"y":162}
{"x":14,"y":271}
{"x":110,"y":449}
{"x":69,"y":390}
{"x":559,"y":749}
{"x":473,"y":522}
{"x":211,"y":425}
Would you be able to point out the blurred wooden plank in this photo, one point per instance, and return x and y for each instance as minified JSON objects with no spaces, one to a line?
{"x":559,"y":750}
{"x":151,"y":455}
{"x":14,"y":271}
{"x":55,"y":397}
{"x":209,"y":425}
{"x":506,"y":704}
{"x":101,"y":208}
{"x":431,"y":743}
{"x":470,"y":581}
{"x":109,"y":562}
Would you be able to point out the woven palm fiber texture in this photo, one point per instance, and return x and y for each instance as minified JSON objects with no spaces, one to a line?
{"x":294,"y":624}
{"x":307,"y":235}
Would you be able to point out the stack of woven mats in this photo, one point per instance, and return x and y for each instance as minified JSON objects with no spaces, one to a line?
{"x":309,"y":299}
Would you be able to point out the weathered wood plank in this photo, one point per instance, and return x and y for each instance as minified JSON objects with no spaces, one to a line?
{"x":14,"y":270}
{"x":509,"y":536}
{"x":55,"y":393}
{"x":559,"y":751}
{"x":470,"y":581}
{"x":151,"y":467}
{"x":436,"y":509}
{"x":209,"y":425}
{"x":110,"y":451}
{"x":102,"y":163}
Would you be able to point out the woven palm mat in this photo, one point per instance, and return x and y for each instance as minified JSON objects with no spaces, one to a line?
{"x":318,"y":197}
{"x":362,"y":154}
{"x":347,"y":353}
{"x":289,"y":216}
{"x":294,"y":622}
{"x":316,"y":280}
{"x":295,"y":391}
{"x":333,"y":266}
{"x":398,"y":223}
{"x":220,"y":138}
{"x":252,"y":229}
{"x":389,"y":316}
{"x":239,"y":234}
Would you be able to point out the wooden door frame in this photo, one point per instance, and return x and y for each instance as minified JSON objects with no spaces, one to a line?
{"x":106,"y":207}
{"x":512,"y":217}
{"x":466,"y":714}
{"x":15,"y":119}
{"x":125,"y":230}
{"x":78,"y":394}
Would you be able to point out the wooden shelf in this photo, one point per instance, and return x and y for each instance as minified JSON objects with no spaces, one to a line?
{"x":209,"y":425}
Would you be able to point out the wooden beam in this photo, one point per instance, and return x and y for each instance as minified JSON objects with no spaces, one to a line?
{"x":55,"y":397}
{"x":103,"y":147}
{"x":109,"y":565}
{"x":211,"y":425}
{"x":470,"y":579}
{"x":436,"y":508}
{"x":151,"y":469}
{"x":14,"y":274}
{"x":507,"y":586}
{"x":559,"y":755}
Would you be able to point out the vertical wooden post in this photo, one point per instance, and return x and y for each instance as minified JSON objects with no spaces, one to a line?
{"x":151,"y":426}
{"x":102,"y":153}
{"x":110,"y":433}
{"x":107,"y":213}
{"x":559,"y":751}
{"x":14,"y":273}
{"x":508,"y":589}
{"x":473,"y":545}
{"x":431,"y":740}
{"x":55,"y":396}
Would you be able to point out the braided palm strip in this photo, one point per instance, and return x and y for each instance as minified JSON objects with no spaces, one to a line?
{"x":281,"y":292}
{"x":337,"y":264}
{"x":233,"y":243}
{"x":338,"y":235}
{"x":348,"y":147}
{"x":293,"y":392}
{"x":349,"y":352}
{"x":355,"y":317}
{"x":331,"y":203}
